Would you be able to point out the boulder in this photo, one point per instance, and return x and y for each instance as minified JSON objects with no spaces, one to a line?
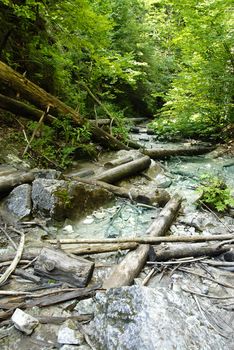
{"x":60,"y":199}
{"x":18,"y":203}
{"x":51,"y":174}
{"x":163,"y":181}
{"x":146,"y":318}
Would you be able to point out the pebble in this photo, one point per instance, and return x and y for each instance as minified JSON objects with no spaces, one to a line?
{"x":24,"y":322}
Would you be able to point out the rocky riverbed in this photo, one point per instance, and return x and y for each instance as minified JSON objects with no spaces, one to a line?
{"x":184,"y":303}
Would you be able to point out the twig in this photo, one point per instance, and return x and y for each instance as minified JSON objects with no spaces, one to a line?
{"x":206,"y":277}
{"x":205,"y":317}
{"x":17,"y":258}
{"x":205,"y":295}
{"x":148,"y":277}
{"x":30,"y":263}
{"x":9,"y":238}
{"x":44,"y":114}
{"x":175,"y":261}
{"x":216,"y":216}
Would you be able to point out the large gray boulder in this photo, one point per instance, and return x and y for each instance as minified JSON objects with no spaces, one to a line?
{"x":18,"y":203}
{"x":133,"y":318}
{"x":60,"y":199}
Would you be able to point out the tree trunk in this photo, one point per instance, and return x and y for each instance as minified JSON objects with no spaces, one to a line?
{"x":36,"y":95}
{"x":118,"y":161}
{"x":57,"y":265}
{"x":171,"y":251}
{"x":98,"y":248}
{"x":124,"y":170}
{"x":160,"y":225}
{"x":19,"y":108}
{"x":129,"y":268}
{"x":7,"y":183}
{"x":157,"y":153}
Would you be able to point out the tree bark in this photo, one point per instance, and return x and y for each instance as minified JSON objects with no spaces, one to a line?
{"x":7,"y":183}
{"x":171,"y":251}
{"x":124,"y":170}
{"x":57,"y":265}
{"x":39,"y":97}
{"x":160,"y":225}
{"x":157,"y":153}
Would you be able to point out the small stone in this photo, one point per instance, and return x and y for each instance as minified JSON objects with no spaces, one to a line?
{"x":18,"y":202}
{"x":89,"y":220}
{"x":85,"y":306}
{"x":24,"y":322}
{"x":68,"y":229}
{"x":68,"y":334}
{"x":162,"y":181}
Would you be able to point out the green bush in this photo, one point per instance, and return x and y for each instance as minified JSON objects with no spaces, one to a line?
{"x":214,"y":193}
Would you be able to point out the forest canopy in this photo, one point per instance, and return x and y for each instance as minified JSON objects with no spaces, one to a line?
{"x":163,"y":59}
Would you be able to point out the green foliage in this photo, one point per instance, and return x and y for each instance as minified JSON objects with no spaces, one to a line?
{"x":214,"y":193}
{"x":59,"y":143}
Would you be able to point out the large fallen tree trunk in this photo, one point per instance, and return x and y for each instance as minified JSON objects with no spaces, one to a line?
{"x":39,"y":97}
{"x":129,"y":268}
{"x":171,"y":251}
{"x":160,"y":225}
{"x":119,"y":161}
{"x":124,"y":170}
{"x":159,"y":153}
{"x":19,"y":108}
{"x":7,"y":183}
{"x":158,"y":196}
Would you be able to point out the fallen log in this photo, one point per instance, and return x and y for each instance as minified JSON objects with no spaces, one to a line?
{"x":39,"y":97}
{"x":124,"y":170}
{"x":160,"y":226}
{"x":19,"y":108}
{"x":129,"y":268}
{"x":118,"y":161}
{"x":159,"y":153}
{"x":7,"y":183}
{"x":158,"y":196}
{"x":142,"y":240}
{"x":98,"y":248}
{"x":55,"y":264}
{"x":171,"y":251}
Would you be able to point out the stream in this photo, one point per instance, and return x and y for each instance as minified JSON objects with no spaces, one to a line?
{"x":159,"y":313}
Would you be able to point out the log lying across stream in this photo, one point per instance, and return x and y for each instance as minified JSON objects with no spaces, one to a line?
{"x":7,"y":183}
{"x":119,"y":172}
{"x":161,"y":153}
{"x":124,"y":273}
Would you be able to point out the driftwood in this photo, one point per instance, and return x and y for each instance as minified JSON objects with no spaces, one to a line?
{"x":160,"y":153}
{"x":7,"y":183}
{"x":39,"y":97}
{"x":57,"y":265}
{"x":160,"y":225}
{"x":124,"y":273}
{"x":99,"y":248}
{"x":142,"y":240}
{"x":124,"y":170}
{"x":171,"y":251}
{"x":47,"y":300}
{"x":82,"y":173}
{"x":135,"y":195}
{"x":15,"y":261}
{"x":118,"y":161}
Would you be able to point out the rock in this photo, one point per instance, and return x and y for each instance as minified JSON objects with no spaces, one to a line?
{"x":85,"y":306}
{"x":60,"y":199}
{"x":159,"y":196}
{"x":18,"y":203}
{"x":162,"y":181}
{"x":75,"y":347}
{"x":68,"y":334}
{"x":68,"y":229}
{"x":51,"y":174}
{"x":24,"y":322}
{"x":145,"y":318}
